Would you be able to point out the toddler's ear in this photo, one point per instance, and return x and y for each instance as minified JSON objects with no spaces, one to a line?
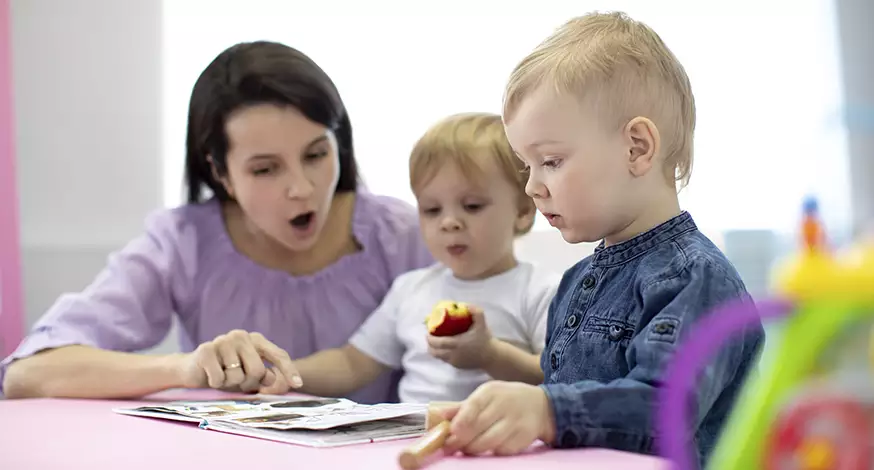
{"x":527,"y":213}
{"x":643,"y":141}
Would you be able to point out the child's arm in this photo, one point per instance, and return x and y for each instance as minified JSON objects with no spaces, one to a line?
{"x":508,"y":362}
{"x":477,"y":349}
{"x":373,"y":349}
{"x":502,"y":360}
{"x":619,"y":414}
{"x":337,"y":372}
{"x":505,"y":361}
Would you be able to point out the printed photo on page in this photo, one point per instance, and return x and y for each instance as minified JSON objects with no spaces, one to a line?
{"x":405,"y":427}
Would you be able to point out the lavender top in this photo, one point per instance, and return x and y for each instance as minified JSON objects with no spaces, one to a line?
{"x":186,"y":265}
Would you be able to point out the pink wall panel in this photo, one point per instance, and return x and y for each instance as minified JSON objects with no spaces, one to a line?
{"x":11,"y":302}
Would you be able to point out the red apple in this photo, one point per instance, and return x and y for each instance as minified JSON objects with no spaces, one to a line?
{"x":449,"y":318}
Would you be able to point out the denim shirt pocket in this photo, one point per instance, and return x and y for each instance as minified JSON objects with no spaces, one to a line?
{"x":603,"y":342}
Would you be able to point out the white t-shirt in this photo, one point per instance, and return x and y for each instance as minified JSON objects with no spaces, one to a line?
{"x":515,"y":304}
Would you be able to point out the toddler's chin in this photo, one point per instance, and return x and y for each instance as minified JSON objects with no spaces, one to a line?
{"x":577,"y":236}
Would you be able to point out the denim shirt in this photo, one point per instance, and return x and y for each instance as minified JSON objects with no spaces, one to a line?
{"x":616,"y":319}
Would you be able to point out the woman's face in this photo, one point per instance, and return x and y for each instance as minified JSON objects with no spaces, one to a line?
{"x":282,"y":171}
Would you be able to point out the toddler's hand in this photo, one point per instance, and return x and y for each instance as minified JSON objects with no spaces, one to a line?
{"x":236,"y":360}
{"x":502,"y":417}
{"x":469,"y":350}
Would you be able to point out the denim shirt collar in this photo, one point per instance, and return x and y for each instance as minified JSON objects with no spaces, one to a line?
{"x":626,"y":251}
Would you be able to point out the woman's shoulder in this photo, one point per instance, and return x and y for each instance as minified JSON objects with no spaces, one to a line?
{"x":190,"y":233}
{"x":186,"y":220}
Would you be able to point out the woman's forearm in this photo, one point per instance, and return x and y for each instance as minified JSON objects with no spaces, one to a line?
{"x":86,"y":372}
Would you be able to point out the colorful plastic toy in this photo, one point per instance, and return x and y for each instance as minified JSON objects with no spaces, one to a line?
{"x":812,"y":406}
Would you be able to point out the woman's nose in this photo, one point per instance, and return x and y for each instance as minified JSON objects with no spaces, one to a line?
{"x":299,"y":187}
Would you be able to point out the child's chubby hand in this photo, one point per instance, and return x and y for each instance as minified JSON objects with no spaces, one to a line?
{"x":504,"y":418}
{"x":469,"y":350}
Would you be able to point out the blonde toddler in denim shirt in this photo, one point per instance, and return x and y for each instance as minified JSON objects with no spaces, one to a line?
{"x":602,"y":114}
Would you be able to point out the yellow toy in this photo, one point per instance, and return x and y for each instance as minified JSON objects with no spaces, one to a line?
{"x":812,"y":407}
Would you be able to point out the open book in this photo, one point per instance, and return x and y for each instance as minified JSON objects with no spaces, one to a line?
{"x":308,"y":421}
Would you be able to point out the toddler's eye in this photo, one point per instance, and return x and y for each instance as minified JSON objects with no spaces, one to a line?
{"x":551,"y":163}
{"x":431,"y":211}
{"x":473,"y":207}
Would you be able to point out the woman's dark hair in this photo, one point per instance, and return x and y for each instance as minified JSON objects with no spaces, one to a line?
{"x":254,"y":73}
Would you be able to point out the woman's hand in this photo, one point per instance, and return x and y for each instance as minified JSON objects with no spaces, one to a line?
{"x":237,"y":360}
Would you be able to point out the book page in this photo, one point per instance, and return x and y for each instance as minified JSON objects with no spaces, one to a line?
{"x":278,"y":412}
{"x":409,"y":426}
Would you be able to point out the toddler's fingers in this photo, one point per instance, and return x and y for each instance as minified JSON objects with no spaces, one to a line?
{"x":452,"y":445}
{"x":442,"y":342}
{"x":442,"y":354}
{"x":513,"y":444}
{"x":490,"y":439}
{"x":449,"y":411}
{"x":476,"y":414}
{"x":279,"y":386}
{"x":477,"y":314}
{"x":269,"y":377}
{"x":279,"y":358}
{"x":464,"y":426}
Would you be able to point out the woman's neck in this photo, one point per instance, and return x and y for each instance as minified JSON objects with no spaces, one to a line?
{"x":335,"y":240}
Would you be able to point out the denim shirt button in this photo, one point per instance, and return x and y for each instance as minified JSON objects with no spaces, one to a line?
{"x":615,"y":332}
{"x":553,"y":360}
{"x":572,"y":321}
{"x":569,"y":439}
{"x":588,"y":281}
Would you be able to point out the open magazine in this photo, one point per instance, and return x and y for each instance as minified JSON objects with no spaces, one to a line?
{"x":308,"y":421}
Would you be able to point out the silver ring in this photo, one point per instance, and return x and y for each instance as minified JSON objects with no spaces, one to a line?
{"x":235,"y":365}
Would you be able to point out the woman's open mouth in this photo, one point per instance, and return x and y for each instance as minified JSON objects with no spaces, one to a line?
{"x":303,"y":221}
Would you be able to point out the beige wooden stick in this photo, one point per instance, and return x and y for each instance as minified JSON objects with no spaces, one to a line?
{"x":413,"y":457}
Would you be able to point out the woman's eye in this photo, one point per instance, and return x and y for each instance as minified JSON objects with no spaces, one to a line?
{"x":315,"y":155}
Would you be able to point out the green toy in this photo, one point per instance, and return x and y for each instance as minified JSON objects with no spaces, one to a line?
{"x":812,"y":406}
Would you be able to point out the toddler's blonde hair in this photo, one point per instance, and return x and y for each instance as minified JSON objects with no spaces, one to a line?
{"x":466,"y":139}
{"x":624,"y":69}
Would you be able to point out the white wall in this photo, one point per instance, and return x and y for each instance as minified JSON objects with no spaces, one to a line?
{"x":411,"y":63}
{"x":86,"y":81}
{"x":88,"y":96}
{"x":857,"y":54}
{"x":88,"y":114}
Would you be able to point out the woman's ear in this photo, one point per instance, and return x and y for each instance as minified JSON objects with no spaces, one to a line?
{"x":644,"y":141}
{"x":224,"y":180}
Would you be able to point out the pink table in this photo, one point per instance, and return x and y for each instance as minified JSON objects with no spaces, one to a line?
{"x":86,"y":434}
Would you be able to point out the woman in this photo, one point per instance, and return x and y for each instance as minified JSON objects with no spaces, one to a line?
{"x":288,"y":254}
